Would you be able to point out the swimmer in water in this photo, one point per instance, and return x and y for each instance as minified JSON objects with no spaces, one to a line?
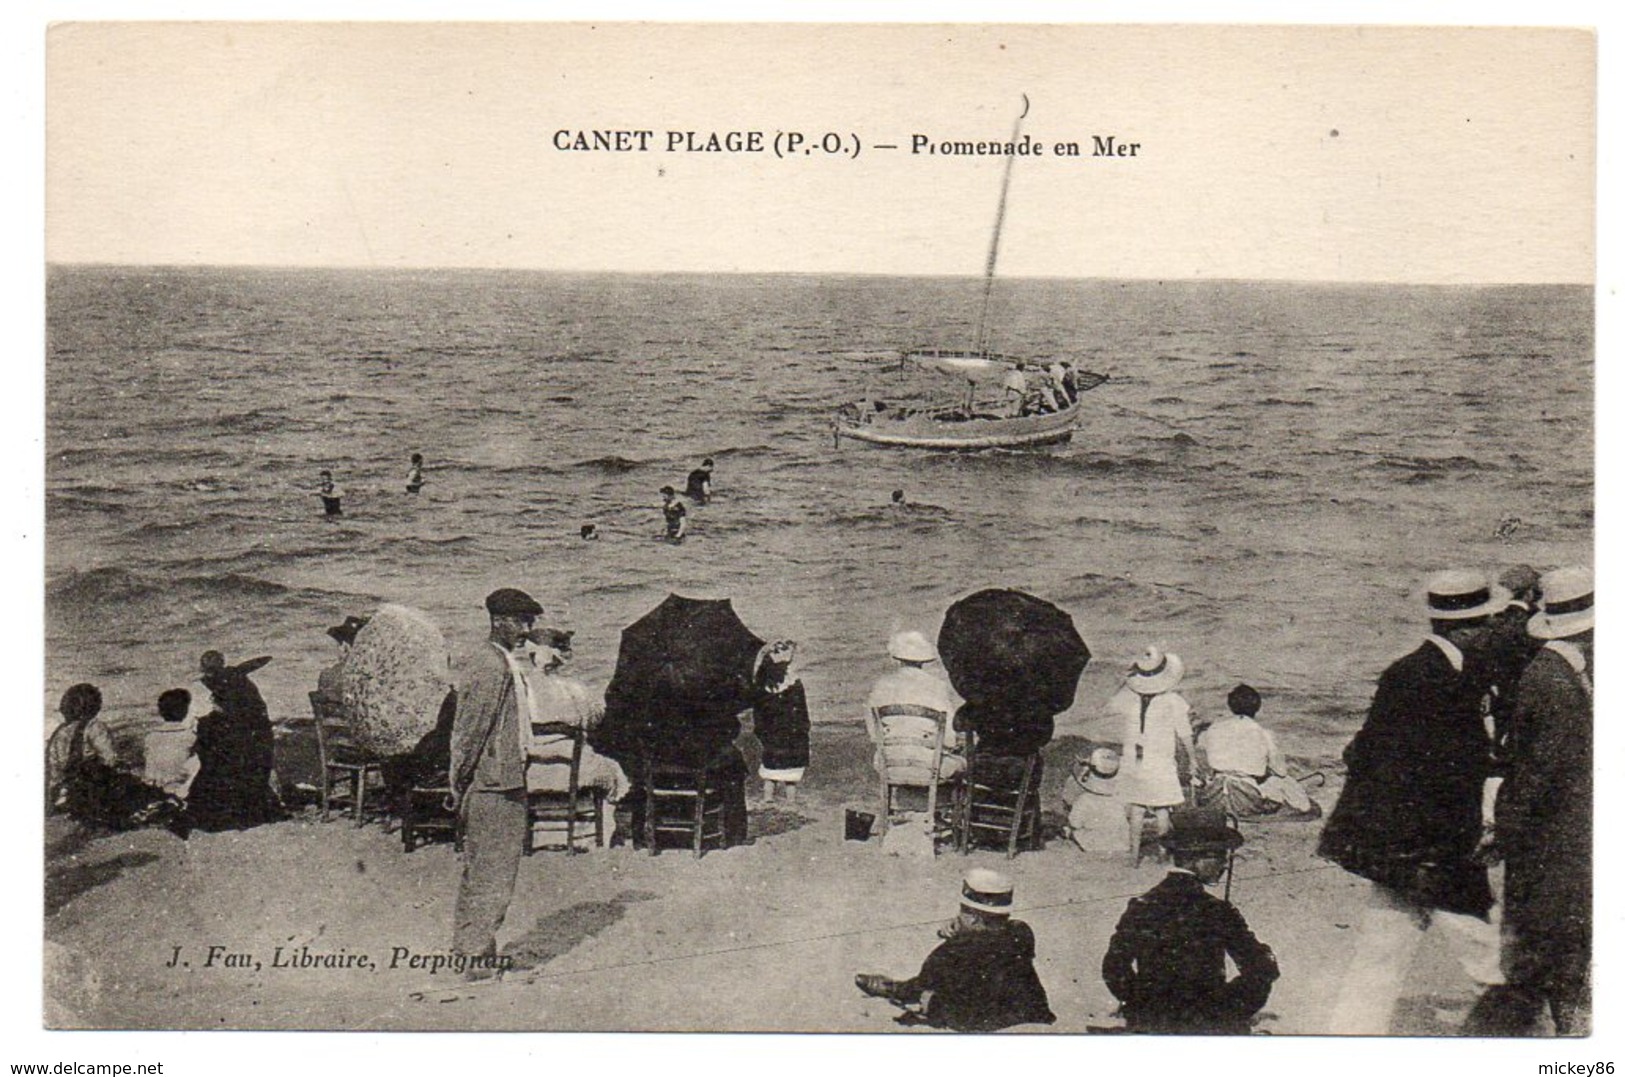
{"x":897,"y":501}
{"x":676,"y":515}
{"x":699,"y":482}
{"x":589,"y":532}
{"x":414,"y":477}
{"x":330,"y":494}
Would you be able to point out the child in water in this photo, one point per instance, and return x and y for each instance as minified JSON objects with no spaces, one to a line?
{"x":676,"y":515}
{"x":414,"y":477}
{"x":330,"y":494}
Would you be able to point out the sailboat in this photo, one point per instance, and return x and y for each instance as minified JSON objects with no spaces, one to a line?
{"x":1044,"y":414}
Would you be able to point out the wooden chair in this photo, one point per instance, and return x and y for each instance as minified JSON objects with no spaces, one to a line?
{"x":341,"y":756}
{"x":575,"y":805}
{"x":909,"y":739}
{"x":682,"y":800}
{"x":998,"y":800}
{"x":427,"y":810}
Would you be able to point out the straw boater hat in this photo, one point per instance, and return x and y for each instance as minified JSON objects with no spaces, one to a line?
{"x":1460,"y":594}
{"x":911,"y":647}
{"x":1565,"y":605}
{"x":1156,"y":671}
{"x":987,"y":891}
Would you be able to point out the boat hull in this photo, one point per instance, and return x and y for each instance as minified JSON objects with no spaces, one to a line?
{"x":928,"y":432}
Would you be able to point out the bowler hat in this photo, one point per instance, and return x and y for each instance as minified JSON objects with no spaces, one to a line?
{"x":1195,"y":830}
{"x":346,"y":632}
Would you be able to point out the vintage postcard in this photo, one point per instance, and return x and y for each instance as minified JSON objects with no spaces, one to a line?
{"x":636,"y":527}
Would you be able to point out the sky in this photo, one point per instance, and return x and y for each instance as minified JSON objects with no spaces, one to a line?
{"x":1433,"y":155}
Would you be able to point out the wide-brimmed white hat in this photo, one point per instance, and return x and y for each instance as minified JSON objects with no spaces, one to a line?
{"x":1460,"y":594}
{"x":1565,"y":605}
{"x":1156,"y":671}
{"x":1104,"y":762}
{"x":911,"y":646}
{"x":987,"y":891}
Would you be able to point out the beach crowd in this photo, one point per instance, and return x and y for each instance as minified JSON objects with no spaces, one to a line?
{"x":1475,"y":752}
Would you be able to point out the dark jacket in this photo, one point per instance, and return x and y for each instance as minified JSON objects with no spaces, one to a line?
{"x":981,"y":981}
{"x":1166,"y":962}
{"x":1410,"y":815}
{"x":1005,"y":729}
{"x":236,"y":751}
{"x":1543,"y":812}
{"x":784,"y":727}
{"x":485,"y":755}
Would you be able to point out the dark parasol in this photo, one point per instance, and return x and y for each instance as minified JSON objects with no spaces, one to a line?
{"x":1013,"y":651}
{"x":681,"y":679}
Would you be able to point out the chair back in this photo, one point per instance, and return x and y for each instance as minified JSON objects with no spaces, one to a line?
{"x":577,"y":736}
{"x":910,"y":743}
{"x":335,"y":741}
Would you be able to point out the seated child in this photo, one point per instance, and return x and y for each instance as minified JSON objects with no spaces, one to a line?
{"x":170,"y":762}
{"x":1166,"y":959}
{"x":1094,"y":814}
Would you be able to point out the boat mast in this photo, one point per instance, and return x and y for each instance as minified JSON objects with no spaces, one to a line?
{"x":998,"y":227}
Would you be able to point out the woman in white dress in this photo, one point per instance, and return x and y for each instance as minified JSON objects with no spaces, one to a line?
{"x":1156,"y":721}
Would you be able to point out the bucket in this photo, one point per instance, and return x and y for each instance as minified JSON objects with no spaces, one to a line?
{"x":858,"y":824}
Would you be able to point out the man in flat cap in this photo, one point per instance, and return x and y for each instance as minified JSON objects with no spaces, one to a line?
{"x":489,"y":750}
{"x":981,"y":978}
{"x":1411,"y":816}
{"x":1166,"y":959}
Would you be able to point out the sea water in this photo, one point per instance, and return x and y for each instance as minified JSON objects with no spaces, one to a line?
{"x":1262,"y":485}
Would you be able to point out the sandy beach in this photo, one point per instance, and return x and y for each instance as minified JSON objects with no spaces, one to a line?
{"x":617,"y":939}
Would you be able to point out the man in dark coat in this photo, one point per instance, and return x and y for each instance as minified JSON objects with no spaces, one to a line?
{"x":1410,"y":817}
{"x":1166,"y":958}
{"x":981,"y":978}
{"x":490,"y":738}
{"x":1543,"y":826}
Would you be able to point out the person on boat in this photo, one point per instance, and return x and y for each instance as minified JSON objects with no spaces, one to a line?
{"x":981,"y":978}
{"x":414,"y":477}
{"x":1015,"y":389}
{"x":236,"y":750}
{"x":1060,"y":376}
{"x":782,"y":722}
{"x":676,"y":515}
{"x":330,"y":493}
{"x":699,"y":483}
{"x":1249,"y":776}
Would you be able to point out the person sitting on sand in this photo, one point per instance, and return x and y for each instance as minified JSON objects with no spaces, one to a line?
{"x":911,"y":685}
{"x":427,"y":765}
{"x":236,"y":750}
{"x":676,"y":515}
{"x":83,"y":778}
{"x":698,"y":489}
{"x":557,"y":698}
{"x":1249,"y":773}
{"x":414,"y":475}
{"x":1094,"y":814}
{"x":330,"y":493}
{"x":1156,"y":725}
{"x":1166,"y":960}
{"x":781,"y":720}
{"x":981,"y":978}
{"x":169,"y":758}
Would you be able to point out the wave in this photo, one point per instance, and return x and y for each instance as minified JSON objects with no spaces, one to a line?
{"x":612,"y":464}
{"x":1435,"y":466}
{"x":1277,"y":402}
